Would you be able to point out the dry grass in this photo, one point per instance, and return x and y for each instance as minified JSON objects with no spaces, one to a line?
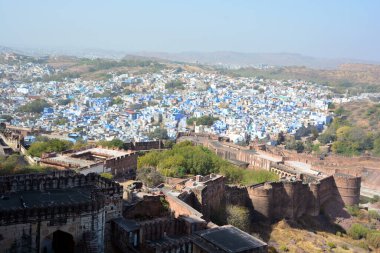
{"x":301,"y":240}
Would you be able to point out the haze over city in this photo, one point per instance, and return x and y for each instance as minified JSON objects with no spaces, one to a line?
{"x":327,"y":29}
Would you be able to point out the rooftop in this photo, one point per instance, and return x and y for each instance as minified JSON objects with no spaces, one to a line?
{"x":43,"y":199}
{"x":72,"y":160}
{"x":230,"y":239}
{"x":104,"y":151}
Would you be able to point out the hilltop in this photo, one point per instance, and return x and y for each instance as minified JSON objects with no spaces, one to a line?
{"x":252,"y":59}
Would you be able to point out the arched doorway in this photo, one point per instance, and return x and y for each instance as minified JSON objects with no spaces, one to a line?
{"x":58,"y":242}
{"x":62,"y":242}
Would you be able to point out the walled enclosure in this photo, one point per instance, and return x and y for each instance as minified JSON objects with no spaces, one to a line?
{"x":293,"y":197}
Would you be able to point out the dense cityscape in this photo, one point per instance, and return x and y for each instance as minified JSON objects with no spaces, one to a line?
{"x":129,"y":107}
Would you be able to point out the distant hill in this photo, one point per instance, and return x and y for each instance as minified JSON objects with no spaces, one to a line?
{"x":355,"y":78}
{"x":223,"y":58}
{"x":253,"y":59}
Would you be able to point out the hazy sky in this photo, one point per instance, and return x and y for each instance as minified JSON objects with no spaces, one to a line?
{"x":324,"y":28}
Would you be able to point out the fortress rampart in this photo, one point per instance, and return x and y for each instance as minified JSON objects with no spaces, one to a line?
{"x":292,"y":199}
{"x":303,"y":191}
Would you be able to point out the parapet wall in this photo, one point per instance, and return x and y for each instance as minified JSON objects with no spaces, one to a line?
{"x":54,"y":180}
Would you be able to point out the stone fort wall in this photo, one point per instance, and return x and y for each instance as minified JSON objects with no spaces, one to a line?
{"x":292,"y":199}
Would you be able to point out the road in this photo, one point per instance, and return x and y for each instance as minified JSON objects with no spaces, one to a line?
{"x":364,"y":191}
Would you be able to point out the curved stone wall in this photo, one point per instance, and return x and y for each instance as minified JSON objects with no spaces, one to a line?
{"x":348,"y":189}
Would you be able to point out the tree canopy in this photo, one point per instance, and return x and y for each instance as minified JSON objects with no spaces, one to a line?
{"x":159,"y":133}
{"x":115,"y":143}
{"x":52,"y":145}
{"x":35,"y":106}
{"x":15,"y":164}
{"x":187,"y":159}
{"x":206,"y":120}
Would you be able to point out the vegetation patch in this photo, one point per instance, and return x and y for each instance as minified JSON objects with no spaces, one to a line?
{"x":185,"y":158}
{"x":48,"y":145}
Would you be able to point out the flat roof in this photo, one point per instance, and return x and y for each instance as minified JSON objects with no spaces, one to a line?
{"x":72,"y":160}
{"x":230,"y":239}
{"x":107,"y":152}
{"x":46,"y":198}
{"x":127,"y":225}
{"x":269,"y":157}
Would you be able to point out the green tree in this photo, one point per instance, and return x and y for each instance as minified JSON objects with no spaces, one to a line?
{"x":115,"y":143}
{"x":35,"y":106}
{"x":206,"y":120}
{"x":185,"y":158}
{"x":159,"y":133}
{"x":149,"y":176}
{"x":53,"y":145}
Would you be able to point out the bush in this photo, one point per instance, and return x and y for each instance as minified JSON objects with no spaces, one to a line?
{"x":363,"y":245}
{"x":375,"y":199}
{"x":165,"y":204}
{"x":357,"y":231}
{"x":53,"y":145}
{"x":331,"y":245}
{"x":239,"y":217}
{"x":284,"y":248}
{"x":106,"y":175}
{"x":149,"y":176}
{"x":115,"y":143}
{"x":373,"y":238}
{"x":345,"y":247}
{"x":353,"y":210}
{"x":372,"y":214}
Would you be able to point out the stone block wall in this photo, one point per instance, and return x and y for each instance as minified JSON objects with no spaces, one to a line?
{"x":292,"y":199}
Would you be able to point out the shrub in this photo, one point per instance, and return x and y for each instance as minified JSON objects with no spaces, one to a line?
{"x":149,"y":176}
{"x":239,"y":217}
{"x":375,"y":199}
{"x":53,"y":145}
{"x":106,"y":175}
{"x":373,"y":214}
{"x":165,"y":203}
{"x":331,"y":245}
{"x":284,"y":248}
{"x":373,"y":238}
{"x":353,"y":210}
{"x":345,"y":247}
{"x":357,"y":231}
{"x":363,"y":245}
